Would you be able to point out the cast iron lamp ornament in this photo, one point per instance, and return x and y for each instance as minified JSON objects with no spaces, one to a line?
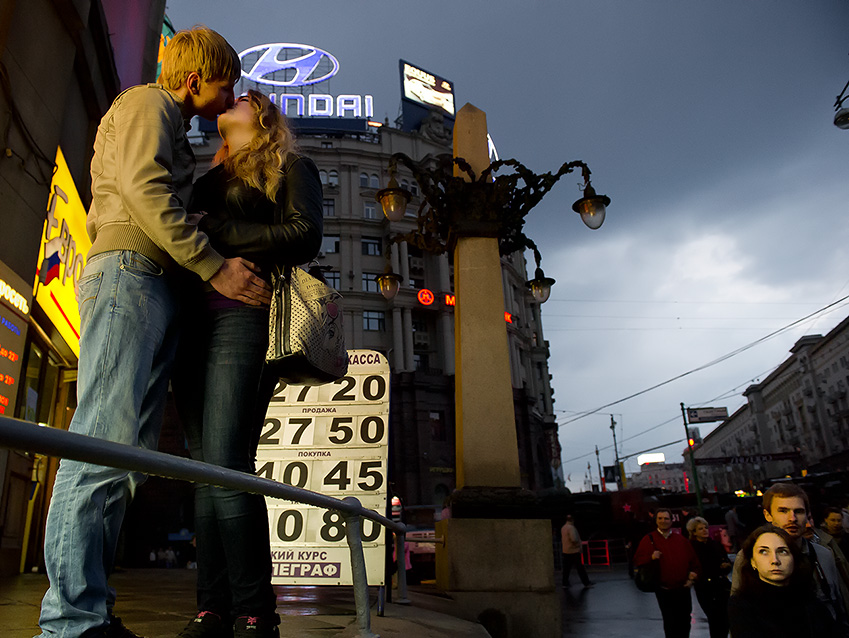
{"x":841,"y":115}
{"x":453,"y":207}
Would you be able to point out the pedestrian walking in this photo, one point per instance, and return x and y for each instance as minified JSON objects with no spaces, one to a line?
{"x":572,"y":552}
{"x":712,"y":587}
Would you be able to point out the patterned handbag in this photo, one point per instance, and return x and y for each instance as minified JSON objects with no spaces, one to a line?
{"x":306,"y":342}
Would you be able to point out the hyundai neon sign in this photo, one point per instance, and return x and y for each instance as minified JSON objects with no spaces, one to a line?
{"x":289,"y":65}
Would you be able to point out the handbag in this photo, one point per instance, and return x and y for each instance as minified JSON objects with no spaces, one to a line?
{"x":647,"y":578}
{"x":306,"y":342}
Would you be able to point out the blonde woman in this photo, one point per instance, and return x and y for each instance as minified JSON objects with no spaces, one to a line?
{"x":713,"y":588}
{"x":261,"y":201}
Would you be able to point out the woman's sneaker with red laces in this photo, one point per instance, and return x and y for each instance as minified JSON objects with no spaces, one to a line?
{"x":207,"y":625}
{"x":256,"y":627}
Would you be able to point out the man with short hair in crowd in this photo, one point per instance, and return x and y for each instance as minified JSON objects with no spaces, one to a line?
{"x":832,"y":524}
{"x":679,"y":570}
{"x":786,"y":505}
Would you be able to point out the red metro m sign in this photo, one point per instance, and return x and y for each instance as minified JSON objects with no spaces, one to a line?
{"x":428,"y":298}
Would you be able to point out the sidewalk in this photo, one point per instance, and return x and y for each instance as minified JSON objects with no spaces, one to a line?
{"x":157,"y":603}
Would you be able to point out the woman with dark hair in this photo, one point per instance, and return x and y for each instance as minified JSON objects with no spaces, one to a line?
{"x":712,"y":588}
{"x":263,"y":202}
{"x":775,"y":599}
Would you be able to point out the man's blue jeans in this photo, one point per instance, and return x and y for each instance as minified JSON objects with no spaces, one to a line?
{"x":222,"y":398}
{"x":128,"y":339}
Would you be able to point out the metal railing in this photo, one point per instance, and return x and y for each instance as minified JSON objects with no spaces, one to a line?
{"x":29,"y":437}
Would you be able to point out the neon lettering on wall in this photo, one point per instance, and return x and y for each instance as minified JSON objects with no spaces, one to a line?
{"x":15,"y":298}
{"x":61,"y":258}
{"x":290,"y":65}
{"x":427,"y":298}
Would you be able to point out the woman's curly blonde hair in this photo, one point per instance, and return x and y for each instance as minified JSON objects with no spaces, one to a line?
{"x":259,"y":163}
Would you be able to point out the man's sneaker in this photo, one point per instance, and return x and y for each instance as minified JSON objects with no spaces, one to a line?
{"x":207,"y":625}
{"x":116,"y":629}
{"x":256,"y":627}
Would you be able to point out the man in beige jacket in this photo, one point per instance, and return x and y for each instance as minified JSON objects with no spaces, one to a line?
{"x":142,"y":240}
{"x":571,"y":540}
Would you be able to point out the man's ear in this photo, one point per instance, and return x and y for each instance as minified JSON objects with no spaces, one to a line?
{"x":193,"y":82}
{"x":767,"y":516}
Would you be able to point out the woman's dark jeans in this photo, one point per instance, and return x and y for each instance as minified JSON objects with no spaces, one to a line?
{"x":217,"y":386}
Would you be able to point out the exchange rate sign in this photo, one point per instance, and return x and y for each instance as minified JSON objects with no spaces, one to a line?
{"x":332,"y":439}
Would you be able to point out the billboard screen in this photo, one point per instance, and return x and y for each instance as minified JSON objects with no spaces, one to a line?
{"x":425,"y":88}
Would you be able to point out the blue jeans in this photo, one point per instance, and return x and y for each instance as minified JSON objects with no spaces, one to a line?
{"x":128,"y":339}
{"x":222,"y":398}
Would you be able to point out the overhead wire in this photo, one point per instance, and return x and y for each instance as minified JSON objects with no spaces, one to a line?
{"x":716,"y":361}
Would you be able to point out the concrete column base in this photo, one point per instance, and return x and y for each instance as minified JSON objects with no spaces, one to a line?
{"x":501,"y":574}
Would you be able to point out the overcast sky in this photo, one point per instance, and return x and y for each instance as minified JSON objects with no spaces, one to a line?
{"x":707,"y":123}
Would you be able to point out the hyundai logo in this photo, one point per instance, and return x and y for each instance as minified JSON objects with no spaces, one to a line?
{"x":300,"y":64}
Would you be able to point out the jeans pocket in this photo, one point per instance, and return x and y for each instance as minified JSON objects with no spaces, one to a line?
{"x":136,"y":263}
{"x":88,"y":287}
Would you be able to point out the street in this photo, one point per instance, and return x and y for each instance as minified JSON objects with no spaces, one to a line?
{"x":615,"y":608}
{"x":157,"y":603}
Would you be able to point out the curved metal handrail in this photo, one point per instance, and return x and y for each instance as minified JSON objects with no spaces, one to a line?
{"x":29,"y":437}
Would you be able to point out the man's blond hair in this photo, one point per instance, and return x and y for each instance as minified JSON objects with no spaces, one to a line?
{"x":201,"y":50}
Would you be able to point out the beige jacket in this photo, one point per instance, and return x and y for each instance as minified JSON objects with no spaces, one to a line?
{"x":141,"y":180}
{"x":570,"y":538}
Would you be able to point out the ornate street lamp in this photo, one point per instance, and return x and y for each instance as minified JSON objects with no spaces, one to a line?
{"x":389,"y":283}
{"x":393,"y":198}
{"x":487,"y":205}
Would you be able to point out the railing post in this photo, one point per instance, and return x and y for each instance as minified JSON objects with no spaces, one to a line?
{"x":401,"y":562}
{"x":358,"y":569}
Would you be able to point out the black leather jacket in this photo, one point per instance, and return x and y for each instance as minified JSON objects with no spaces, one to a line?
{"x":242,"y":222}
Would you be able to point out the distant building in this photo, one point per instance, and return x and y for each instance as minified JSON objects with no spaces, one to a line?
{"x":796,"y":419}
{"x":667,"y":476}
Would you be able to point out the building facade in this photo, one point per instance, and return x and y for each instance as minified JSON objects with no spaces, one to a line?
{"x":796,"y":419}
{"x":415,"y":330}
{"x":672,"y":477}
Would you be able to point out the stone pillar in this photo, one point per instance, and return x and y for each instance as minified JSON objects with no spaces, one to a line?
{"x":487,"y":450}
{"x":495,"y":559}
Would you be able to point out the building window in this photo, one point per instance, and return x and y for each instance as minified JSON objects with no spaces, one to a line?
{"x":369,"y":210}
{"x":374,"y":321}
{"x":329,"y":207}
{"x":374,"y":182}
{"x":371,"y":246}
{"x":414,"y":189}
{"x":332,"y":279}
{"x":327,"y":145}
{"x":363,"y":180}
{"x":370,"y":282}
{"x":437,"y":426}
{"x":322,"y":175}
{"x":330,"y":244}
{"x":333,"y":179}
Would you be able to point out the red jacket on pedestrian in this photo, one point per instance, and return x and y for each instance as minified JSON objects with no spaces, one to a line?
{"x":677,"y":558}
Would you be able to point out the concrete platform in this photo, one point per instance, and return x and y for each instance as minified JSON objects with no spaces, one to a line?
{"x":157,"y":603}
